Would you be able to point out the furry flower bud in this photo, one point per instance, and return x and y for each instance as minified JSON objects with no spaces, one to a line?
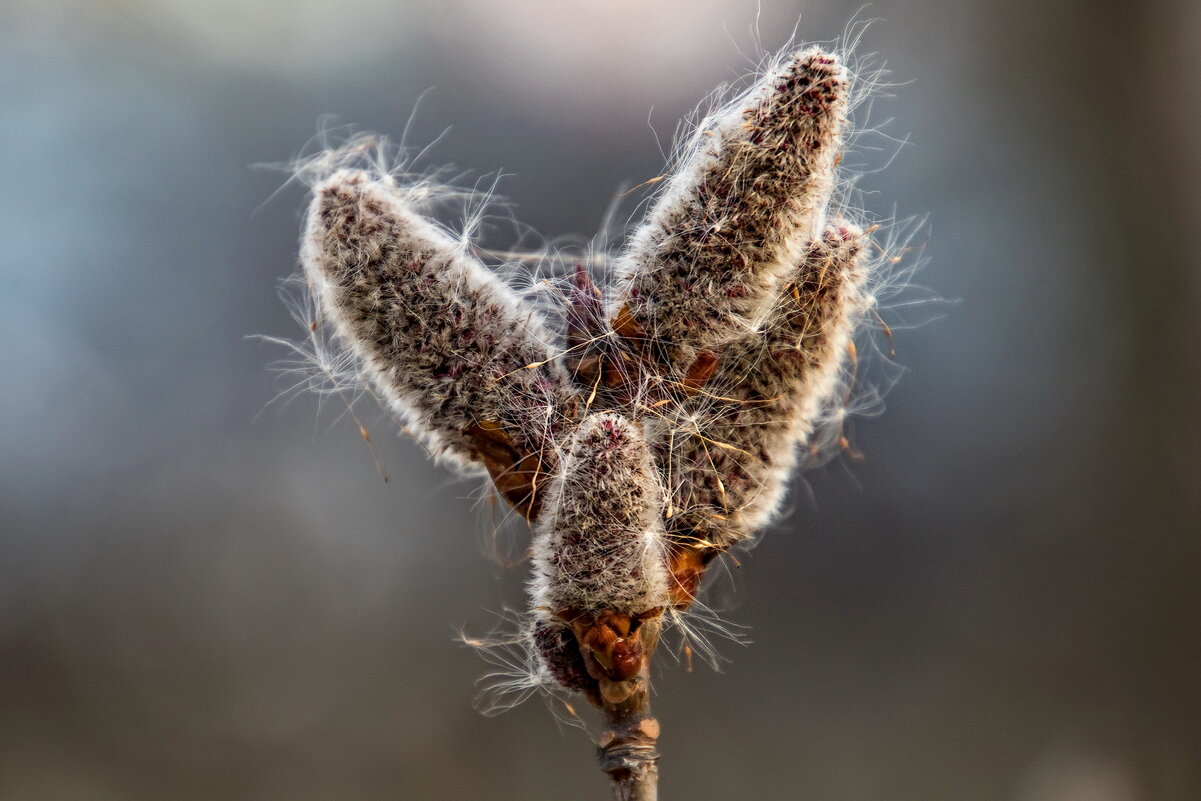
{"x":736,"y":443}
{"x":598,"y":546}
{"x":443,"y":340}
{"x":734,"y":218}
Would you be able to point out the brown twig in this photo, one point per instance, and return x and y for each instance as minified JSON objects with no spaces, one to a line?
{"x":628,"y":749}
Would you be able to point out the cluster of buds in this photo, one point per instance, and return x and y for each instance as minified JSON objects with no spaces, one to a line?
{"x":660,"y":427}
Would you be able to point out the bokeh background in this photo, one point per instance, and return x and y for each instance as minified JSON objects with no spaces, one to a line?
{"x":204,"y":596}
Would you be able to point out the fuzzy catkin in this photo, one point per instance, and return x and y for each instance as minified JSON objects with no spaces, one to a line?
{"x":736,"y":214}
{"x":598,"y":546}
{"x":441,"y":337}
{"x":735,"y":445}
{"x":716,"y":346}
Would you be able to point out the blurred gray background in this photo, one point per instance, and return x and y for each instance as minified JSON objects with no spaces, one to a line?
{"x":1002,"y":602}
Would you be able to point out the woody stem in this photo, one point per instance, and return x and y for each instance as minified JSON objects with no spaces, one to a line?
{"x":627,"y":749}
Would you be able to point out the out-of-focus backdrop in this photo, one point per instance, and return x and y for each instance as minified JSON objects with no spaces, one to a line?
{"x":200,"y":599}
